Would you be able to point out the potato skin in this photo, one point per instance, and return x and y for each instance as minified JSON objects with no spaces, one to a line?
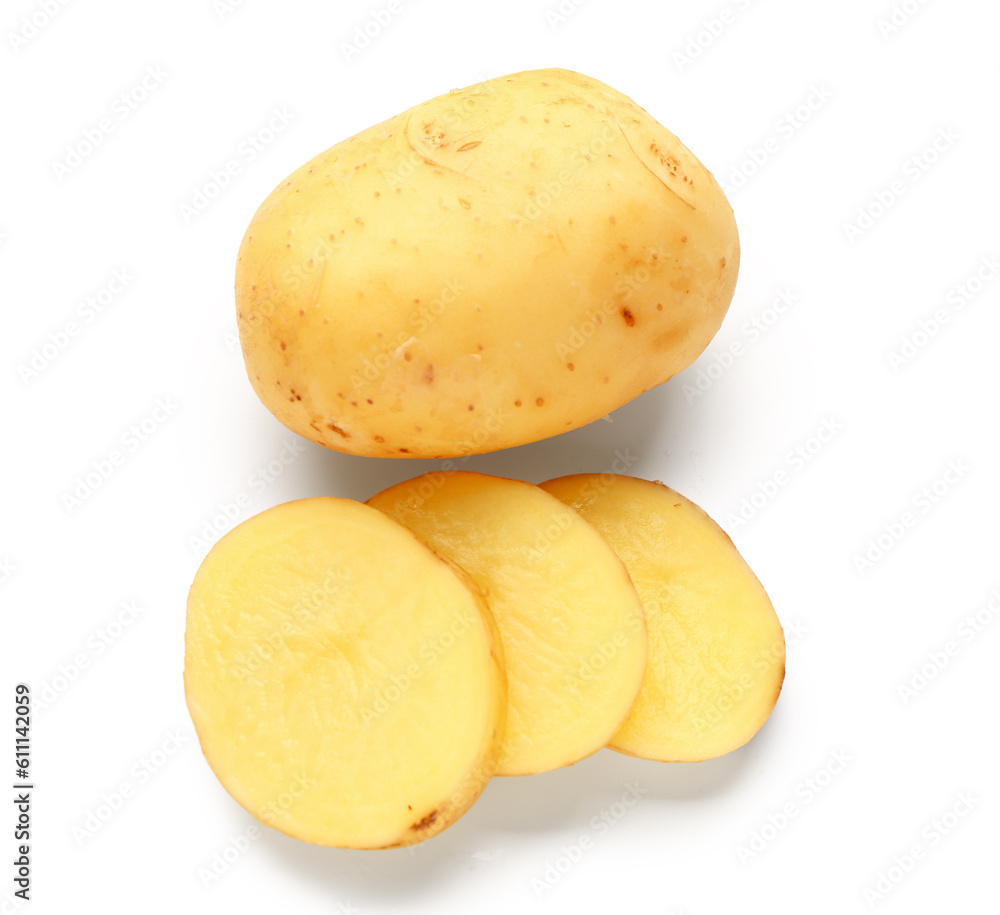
{"x":490,"y":268}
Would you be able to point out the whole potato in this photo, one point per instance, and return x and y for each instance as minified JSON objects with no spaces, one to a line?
{"x":490,"y":268}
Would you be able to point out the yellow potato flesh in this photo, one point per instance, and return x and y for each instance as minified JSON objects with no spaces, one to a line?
{"x":570,"y":620}
{"x":493,"y":267}
{"x":345,"y":684}
{"x":716,"y":648}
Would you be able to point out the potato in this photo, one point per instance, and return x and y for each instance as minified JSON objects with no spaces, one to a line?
{"x":345,"y":683}
{"x":571,"y":622}
{"x":492,"y":267}
{"x":717,"y":650}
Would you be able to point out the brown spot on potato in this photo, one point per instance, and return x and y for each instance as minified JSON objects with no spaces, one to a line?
{"x":471,"y":407}
{"x":570,"y":366}
{"x":539,"y":402}
{"x":472,"y":144}
{"x":283,"y":347}
{"x":659,"y":306}
{"x":404,"y":450}
{"x":369,"y":400}
{"x":408,"y":357}
{"x":378,"y":194}
{"x":723,"y":263}
{"x":613,"y":220}
{"x":429,"y":373}
{"x":628,"y":316}
{"x":333,"y":427}
{"x":517,"y":403}
{"x":464,"y":204}
{"x":379,"y":439}
{"x":684,"y":239}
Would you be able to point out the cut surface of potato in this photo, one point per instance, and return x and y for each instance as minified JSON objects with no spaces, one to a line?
{"x":346,"y":685}
{"x":571,"y":622}
{"x":716,"y":648}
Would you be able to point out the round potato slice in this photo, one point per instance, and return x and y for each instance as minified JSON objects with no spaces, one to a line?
{"x":716,"y":648}
{"x":346,"y":685}
{"x":571,"y":622}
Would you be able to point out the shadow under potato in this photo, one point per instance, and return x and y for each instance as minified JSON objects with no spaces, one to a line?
{"x":560,"y":804}
{"x":624,"y":445}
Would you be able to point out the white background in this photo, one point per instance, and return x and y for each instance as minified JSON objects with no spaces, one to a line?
{"x":876,"y":99}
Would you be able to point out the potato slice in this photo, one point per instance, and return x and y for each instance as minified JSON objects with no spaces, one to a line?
{"x":346,"y":685}
{"x":716,"y":648}
{"x":571,"y":622}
